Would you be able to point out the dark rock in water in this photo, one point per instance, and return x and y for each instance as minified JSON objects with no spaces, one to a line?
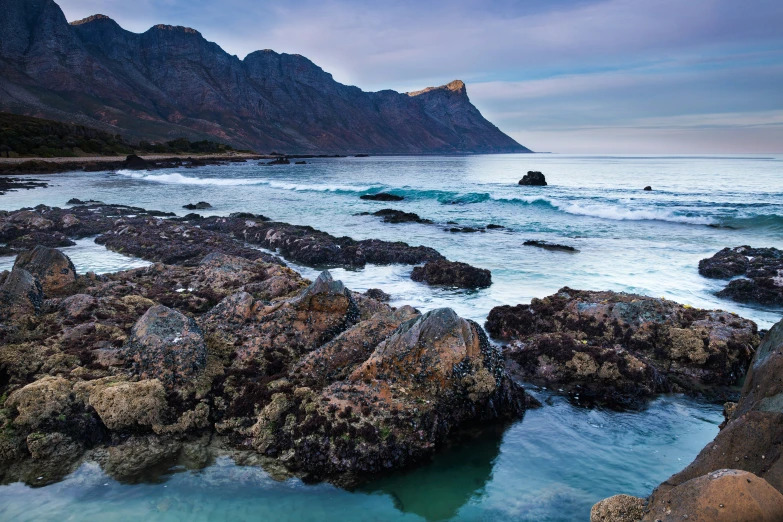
{"x":280,"y":161}
{"x":492,"y":226}
{"x":361,"y":156}
{"x":52,"y":268}
{"x":378,"y":295}
{"x":133,"y":162}
{"x":397,"y":216}
{"x":301,"y":163}
{"x":201,"y":205}
{"x":166,"y":345}
{"x":762,"y":269}
{"x":550,"y":246}
{"x":20,"y":294}
{"x":533,"y":178}
{"x":449,"y":273}
{"x":621,"y":349}
{"x":381,"y":197}
{"x":248,"y":215}
{"x":466,"y":230}
{"x":648,"y":188}
{"x":76,"y":201}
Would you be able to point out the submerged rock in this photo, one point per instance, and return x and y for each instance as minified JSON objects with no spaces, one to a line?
{"x":533,"y":178}
{"x":761,"y":271}
{"x":621,"y":349}
{"x":449,"y":273}
{"x":382,"y":196}
{"x":201,"y":205}
{"x":550,"y":246}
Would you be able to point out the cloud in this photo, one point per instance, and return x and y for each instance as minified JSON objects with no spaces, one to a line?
{"x":535,"y":68}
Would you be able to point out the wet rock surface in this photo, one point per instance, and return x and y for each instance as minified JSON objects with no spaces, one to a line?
{"x":449,"y":273}
{"x":53,"y":269}
{"x":621,"y":349}
{"x":390,"y":215}
{"x":128,"y":369}
{"x":533,"y":178}
{"x":383,"y":196}
{"x":759,"y":272}
{"x":550,"y":246}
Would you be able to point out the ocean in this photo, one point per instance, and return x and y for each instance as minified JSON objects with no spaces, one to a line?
{"x":557,"y":461}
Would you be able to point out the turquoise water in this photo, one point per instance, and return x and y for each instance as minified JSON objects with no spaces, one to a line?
{"x":557,"y":461}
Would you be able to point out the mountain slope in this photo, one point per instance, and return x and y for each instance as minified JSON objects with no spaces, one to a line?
{"x":170,"y":82}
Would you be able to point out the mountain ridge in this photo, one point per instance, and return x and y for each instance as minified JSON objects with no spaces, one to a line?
{"x":171,"y":82}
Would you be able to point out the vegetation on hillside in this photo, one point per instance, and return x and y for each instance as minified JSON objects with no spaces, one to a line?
{"x":22,"y":136}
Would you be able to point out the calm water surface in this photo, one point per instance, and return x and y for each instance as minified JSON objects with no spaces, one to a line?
{"x":557,"y":461}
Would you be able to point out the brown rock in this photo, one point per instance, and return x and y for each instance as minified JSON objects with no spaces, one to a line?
{"x":127,"y":405}
{"x":53,"y":269}
{"x":20,"y":294}
{"x":41,"y":401}
{"x":166,"y":345}
{"x":725,"y":495}
{"x":619,"y":508}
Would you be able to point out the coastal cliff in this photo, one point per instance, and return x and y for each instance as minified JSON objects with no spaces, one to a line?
{"x":171,"y":82}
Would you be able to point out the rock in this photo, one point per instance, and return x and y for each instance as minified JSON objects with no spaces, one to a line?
{"x":30,"y":240}
{"x":466,"y":230}
{"x":201,"y":205}
{"x":280,"y":161}
{"x":130,"y":460}
{"x":20,"y":294}
{"x":130,"y":405}
{"x":533,"y":178}
{"x":390,"y":215}
{"x":301,"y":163}
{"x":648,"y":188}
{"x":725,"y":495}
{"x":133,"y":162}
{"x":550,"y":246}
{"x":619,"y":508}
{"x":493,"y":226}
{"x":378,"y":295}
{"x":248,"y":215}
{"x":41,"y":401}
{"x":166,"y":345}
{"x":381,"y":196}
{"x":451,"y":273}
{"x":762,"y":269}
{"x":621,"y":349}
{"x":51,"y":267}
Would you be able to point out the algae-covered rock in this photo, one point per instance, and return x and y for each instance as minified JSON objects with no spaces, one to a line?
{"x":166,"y":345}
{"x":127,"y":405}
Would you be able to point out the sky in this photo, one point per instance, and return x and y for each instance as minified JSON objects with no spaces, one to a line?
{"x":571,"y":76}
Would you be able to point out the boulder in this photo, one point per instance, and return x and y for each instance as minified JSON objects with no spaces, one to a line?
{"x":166,"y":345}
{"x":51,"y":267}
{"x":761,"y":270}
{"x":534,"y":179}
{"x":378,"y":295}
{"x":201,"y":205}
{"x":130,"y":405}
{"x":41,"y":401}
{"x":390,"y":215}
{"x":619,"y":508}
{"x":450,"y":273}
{"x":621,"y":349}
{"x":726,"y":495}
{"x":133,"y":162}
{"x":20,"y":294}
{"x":648,"y":188}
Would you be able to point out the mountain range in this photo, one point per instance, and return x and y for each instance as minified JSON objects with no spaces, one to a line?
{"x":170,"y":82}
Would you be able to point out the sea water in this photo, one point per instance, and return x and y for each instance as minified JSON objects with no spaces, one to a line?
{"x":557,"y":461}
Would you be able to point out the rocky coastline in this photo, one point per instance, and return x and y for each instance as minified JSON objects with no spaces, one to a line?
{"x":218,"y":348}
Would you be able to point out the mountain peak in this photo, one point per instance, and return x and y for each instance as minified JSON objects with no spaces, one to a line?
{"x":176,"y":28}
{"x":457,"y":87}
{"x":92,"y":18}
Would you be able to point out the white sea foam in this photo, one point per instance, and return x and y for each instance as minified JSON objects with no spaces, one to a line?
{"x":609,"y":211}
{"x":178,"y":179}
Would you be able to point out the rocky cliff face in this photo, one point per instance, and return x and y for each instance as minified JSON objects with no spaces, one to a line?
{"x":171,"y":82}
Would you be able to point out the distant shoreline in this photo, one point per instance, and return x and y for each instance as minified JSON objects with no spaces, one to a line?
{"x":83,"y":160}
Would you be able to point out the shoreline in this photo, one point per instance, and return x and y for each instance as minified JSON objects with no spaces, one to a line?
{"x":147,"y":157}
